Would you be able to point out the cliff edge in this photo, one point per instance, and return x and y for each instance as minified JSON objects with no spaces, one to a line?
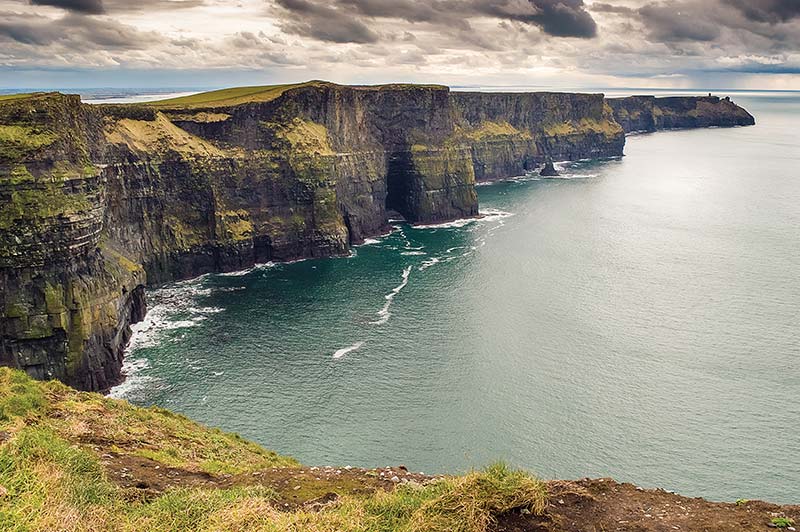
{"x":96,"y":202}
{"x":78,"y":461}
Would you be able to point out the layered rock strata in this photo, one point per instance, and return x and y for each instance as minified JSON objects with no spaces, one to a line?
{"x":97,"y":202}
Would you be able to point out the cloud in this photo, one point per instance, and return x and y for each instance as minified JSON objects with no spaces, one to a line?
{"x":75,"y":32}
{"x":770,"y":11}
{"x":672,"y":21}
{"x":511,"y":41}
{"x":100,"y":7}
{"x":89,"y":7}
{"x":324,"y":23}
{"x":559,"y":18}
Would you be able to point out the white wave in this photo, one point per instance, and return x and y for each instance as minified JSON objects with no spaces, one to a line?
{"x":413,"y":253}
{"x":342,"y":352}
{"x":384,"y":313}
{"x":428,"y":263}
{"x":131,"y":369}
{"x":241,"y":273}
{"x":490,"y":215}
{"x":461,"y":222}
{"x":567,"y":176}
{"x":206,"y":310}
{"x":378,"y":238}
{"x":485,"y":215}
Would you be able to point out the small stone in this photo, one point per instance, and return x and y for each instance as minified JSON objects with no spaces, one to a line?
{"x":791,"y":529}
{"x":296,"y":488}
{"x":395,"y":479}
{"x":3,"y":491}
{"x":525,"y":511}
{"x":560,"y":501}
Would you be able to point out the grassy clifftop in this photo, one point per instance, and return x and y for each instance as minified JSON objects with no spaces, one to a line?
{"x":233,"y":96}
{"x":77,"y":461}
{"x":227,"y":97}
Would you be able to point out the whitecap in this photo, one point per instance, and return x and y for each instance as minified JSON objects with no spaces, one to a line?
{"x":413,"y":253}
{"x":384,"y":313}
{"x":428,"y":263}
{"x":490,"y":214}
{"x":240,"y":273}
{"x":342,"y":352}
{"x":461,"y":222}
{"x":131,"y":369}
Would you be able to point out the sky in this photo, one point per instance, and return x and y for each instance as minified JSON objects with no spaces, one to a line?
{"x":735,"y":44}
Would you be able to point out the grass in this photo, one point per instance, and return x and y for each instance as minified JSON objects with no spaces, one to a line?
{"x":226,"y":97}
{"x":306,"y":136}
{"x":265,"y":93}
{"x":489,"y":129}
{"x":158,"y":135}
{"x":782,"y":522}
{"x":37,"y":205}
{"x":17,"y":141}
{"x":18,"y":96}
{"x":53,"y":451}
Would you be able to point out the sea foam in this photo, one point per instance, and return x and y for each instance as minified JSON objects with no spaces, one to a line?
{"x":383,"y":313}
{"x":349,"y":349}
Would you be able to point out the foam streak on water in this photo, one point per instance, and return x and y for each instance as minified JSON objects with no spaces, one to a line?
{"x":383,"y":313}
{"x":342,"y":352}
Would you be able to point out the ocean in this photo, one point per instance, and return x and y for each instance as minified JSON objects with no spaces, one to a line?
{"x":637,"y":318}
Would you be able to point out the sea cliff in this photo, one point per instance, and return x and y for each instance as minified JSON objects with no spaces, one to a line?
{"x":97,"y":202}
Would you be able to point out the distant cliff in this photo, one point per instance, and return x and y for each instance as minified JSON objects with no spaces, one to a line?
{"x":98,"y":201}
{"x":648,"y":113}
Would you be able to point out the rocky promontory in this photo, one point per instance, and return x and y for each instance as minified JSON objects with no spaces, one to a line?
{"x":97,"y":202}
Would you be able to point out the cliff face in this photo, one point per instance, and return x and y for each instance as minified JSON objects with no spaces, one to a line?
{"x":647,"y":113}
{"x":98,"y":201}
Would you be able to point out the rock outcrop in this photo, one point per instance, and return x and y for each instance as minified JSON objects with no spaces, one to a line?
{"x":98,"y":201}
{"x":548,"y":170}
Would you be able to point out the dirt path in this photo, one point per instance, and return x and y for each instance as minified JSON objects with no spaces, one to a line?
{"x":589,"y":505}
{"x":603,"y":505}
{"x":295,"y":486}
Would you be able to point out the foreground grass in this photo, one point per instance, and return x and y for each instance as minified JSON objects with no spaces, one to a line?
{"x":52,"y":477}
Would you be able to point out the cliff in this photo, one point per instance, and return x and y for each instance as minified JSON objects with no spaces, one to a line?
{"x":647,"y":113}
{"x":81,"y":462}
{"x":99,"y":201}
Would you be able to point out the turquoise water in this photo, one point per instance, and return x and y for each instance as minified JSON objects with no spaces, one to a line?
{"x":638,"y":318}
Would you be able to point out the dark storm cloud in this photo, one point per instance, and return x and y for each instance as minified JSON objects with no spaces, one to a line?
{"x":559,"y":18}
{"x":90,"y":7}
{"x":347,"y":20}
{"x":771,"y":11}
{"x":99,"y":7}
{"x":324,"y":23}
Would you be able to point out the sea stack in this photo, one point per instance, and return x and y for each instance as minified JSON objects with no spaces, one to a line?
{"x":548,"y":170}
